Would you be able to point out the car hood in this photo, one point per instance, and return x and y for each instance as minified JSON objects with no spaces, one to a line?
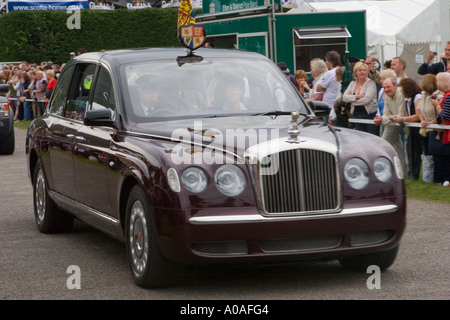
{"x":236,"y":134}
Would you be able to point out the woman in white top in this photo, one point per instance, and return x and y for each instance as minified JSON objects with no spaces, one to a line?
{"x":361,"y":93}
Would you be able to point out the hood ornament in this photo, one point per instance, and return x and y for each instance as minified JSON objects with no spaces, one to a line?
{"x":293,"y":128}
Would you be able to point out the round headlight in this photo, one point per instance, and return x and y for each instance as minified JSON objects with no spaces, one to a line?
{"x":194,"y":179}
{"x":382,"y":168}
{"x":356,"y":172}
{"x":230,"y":180}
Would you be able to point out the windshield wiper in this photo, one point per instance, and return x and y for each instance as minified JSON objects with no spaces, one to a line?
{"x":277,"y":113}
{"x":272,"y":113}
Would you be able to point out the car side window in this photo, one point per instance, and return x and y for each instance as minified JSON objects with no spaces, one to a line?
{"x":80,"y":89}
{"x":103,"y":97}
{"x":59,"y":97}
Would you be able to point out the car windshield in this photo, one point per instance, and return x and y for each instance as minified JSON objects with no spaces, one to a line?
{"x":162,"y":90}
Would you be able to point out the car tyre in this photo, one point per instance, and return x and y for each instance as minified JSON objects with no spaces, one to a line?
{"x":150,"y":269}
{"x":360,"y":263}
{"x":49,"y":218}
{"x":7,"y":145}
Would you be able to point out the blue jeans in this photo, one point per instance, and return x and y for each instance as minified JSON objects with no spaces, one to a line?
{"x":370,"y":128}
{"x":27,"y":112}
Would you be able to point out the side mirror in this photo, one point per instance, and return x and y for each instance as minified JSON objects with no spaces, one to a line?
{"x":320,"y":108}
{"x":99,"y":117}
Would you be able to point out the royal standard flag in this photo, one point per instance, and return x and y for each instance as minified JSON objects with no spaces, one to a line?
{"x":185,"y":14}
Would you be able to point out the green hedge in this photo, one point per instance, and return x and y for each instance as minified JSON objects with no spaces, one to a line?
{"x":44,"y":35}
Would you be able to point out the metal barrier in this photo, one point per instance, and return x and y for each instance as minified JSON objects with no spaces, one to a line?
{"x":408,"y":124}
{"x":32,"y":100}
{"x":352,"y":120}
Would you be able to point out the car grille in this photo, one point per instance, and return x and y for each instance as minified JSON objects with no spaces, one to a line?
{"x":306,"y":182}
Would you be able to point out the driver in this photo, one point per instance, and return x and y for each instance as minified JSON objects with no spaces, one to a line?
{"x":149,"y":94}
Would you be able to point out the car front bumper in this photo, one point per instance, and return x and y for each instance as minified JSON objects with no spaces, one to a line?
{"x":233,"y":234}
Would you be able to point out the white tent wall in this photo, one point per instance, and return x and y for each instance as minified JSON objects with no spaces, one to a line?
{"x":406,"y":28}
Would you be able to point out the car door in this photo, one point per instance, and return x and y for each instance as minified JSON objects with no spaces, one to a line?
{"x":62,"y":130}
{"x":92,"y":156}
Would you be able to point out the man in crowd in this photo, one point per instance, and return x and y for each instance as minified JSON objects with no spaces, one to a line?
{"x":328,"y":83}
{"x":435,"y":68}
{"x":393,"y":106}
{"x":398,"y":64}
{"x":373,"y":73}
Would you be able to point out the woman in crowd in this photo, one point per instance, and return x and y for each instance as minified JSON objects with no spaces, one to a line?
{"x":18,"y":87}
{"x":51,"y":82}
{"x":27,"y":111}
{"x":443,"y":111}
{"x":361,"y":93}
{"x":12,"y":82}
{"x":414,"y":146}
{"x":39,"y":91}
{"x":301,"y":82}
{"x":428,"y":115}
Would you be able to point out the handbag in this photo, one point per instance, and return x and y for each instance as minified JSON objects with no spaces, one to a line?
{"x":436,"y":143}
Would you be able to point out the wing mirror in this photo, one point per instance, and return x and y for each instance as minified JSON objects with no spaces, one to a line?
{"x":99,"y":117}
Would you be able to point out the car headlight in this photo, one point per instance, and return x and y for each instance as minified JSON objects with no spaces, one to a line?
{"x":356,"y":172}
{"x":382,"y":168}
{"x":230,"y":180}
{"x":194,"y":179}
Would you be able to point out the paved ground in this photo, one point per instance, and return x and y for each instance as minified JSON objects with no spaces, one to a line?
{"x":34,"y":266}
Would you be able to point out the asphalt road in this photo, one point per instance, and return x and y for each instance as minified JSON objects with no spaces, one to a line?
{"x":35,"y":266}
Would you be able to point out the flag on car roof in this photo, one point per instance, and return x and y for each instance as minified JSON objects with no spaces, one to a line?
{"x":185,"y":14}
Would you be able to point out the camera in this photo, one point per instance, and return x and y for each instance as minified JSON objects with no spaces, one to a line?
{"x":433,"y":97}
{"x":435,"y":53}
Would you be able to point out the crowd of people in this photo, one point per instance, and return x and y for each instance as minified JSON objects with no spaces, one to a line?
{"x":30,"y":87}
{"x":388,"y":98}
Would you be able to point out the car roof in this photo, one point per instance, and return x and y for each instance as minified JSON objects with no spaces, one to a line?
{"x":118,"y":57}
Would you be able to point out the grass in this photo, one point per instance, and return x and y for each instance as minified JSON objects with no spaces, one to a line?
{"x":427,"y":191}
{"x":414,"y":188}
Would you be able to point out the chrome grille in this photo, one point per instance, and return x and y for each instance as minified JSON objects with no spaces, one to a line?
{"x":306,"y":181}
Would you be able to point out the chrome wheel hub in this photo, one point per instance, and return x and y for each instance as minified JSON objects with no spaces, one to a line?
{"x":40,"y":196}
{"x":138,"y":237}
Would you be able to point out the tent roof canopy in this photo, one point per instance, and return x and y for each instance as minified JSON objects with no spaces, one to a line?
{"x":388,"y":22}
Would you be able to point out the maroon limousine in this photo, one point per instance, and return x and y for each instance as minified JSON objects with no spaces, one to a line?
{"x":209,"y":158}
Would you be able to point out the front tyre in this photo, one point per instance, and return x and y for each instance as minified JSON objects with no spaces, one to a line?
{"x":382,"y":259}
{"x":49,"y":218}
{"x":149,"y":267}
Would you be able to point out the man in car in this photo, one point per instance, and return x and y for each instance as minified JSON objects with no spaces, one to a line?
{"x":149,"y":95}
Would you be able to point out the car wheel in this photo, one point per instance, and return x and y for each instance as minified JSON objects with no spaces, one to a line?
{"x":149,"y":267}
{"x":382,"y":259}
{"x":49,"y":218}
{"x":7,"y":145}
